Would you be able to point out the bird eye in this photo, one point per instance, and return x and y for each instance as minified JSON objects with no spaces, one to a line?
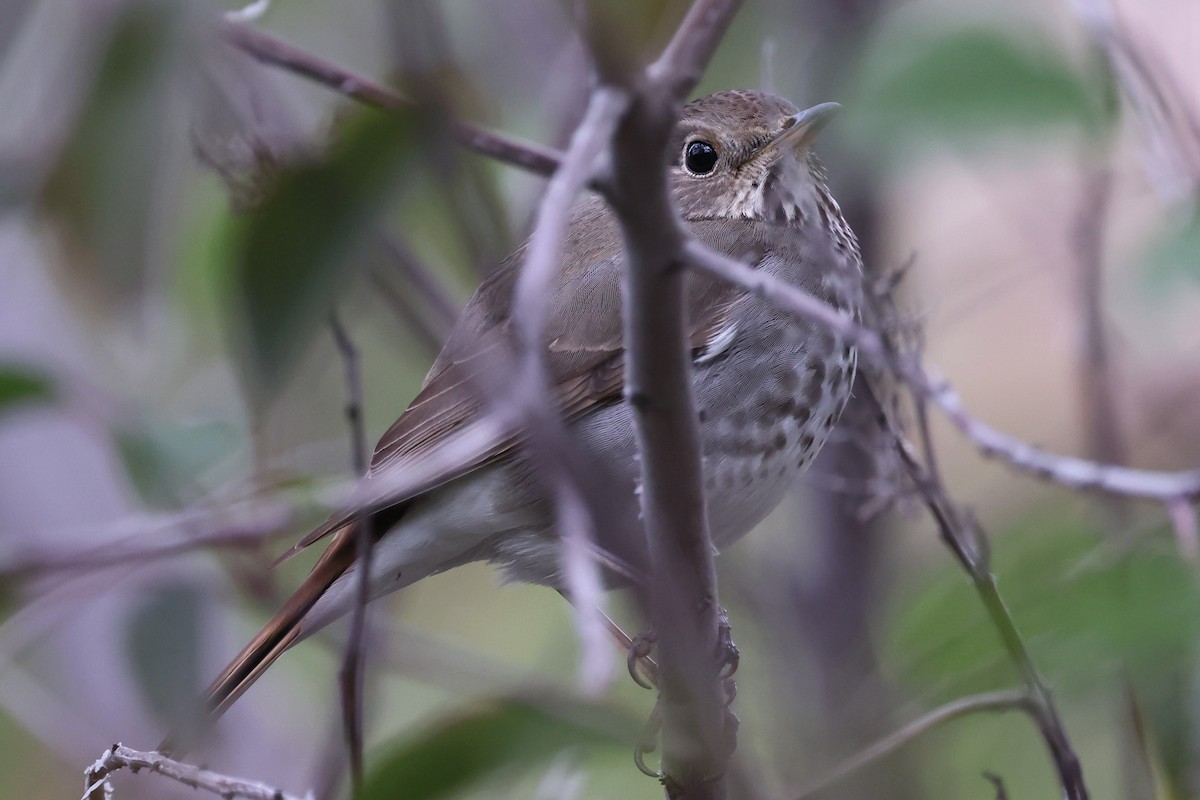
{"x":700,"y":158}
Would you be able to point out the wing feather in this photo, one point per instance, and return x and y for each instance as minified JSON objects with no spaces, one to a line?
{"x":585,"y":355}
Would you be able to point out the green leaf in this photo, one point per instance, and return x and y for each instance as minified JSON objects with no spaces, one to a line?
{"x":289,"y":256}
{"x":104,"y":188}
{"x":1174,"y":253}
{"x":166,"y":462}
{"x":162,"y":642}
{"x":507,"y":734}
{"x":1087,"y":610}
{"x":21,"y":385}
{"x":915,"y":89}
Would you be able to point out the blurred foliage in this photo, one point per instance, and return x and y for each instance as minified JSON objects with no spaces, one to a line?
{"x":1090,"y":609}
{"x":105,"y":187}
{"x":466,"y":750}
{"x":918,"y":89}
{"x":163,"y":643}
{"x":22,"y":384}
{"x":287,"y":256}
{"x":1174,"y":252}
{"x":166,"y":462}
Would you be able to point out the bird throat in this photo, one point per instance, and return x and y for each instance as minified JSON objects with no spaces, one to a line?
{"x":785,"y":191}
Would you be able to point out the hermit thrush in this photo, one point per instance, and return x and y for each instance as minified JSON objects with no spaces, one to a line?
{"x":769,"y":387}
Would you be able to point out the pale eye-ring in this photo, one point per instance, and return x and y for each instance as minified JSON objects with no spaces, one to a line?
{"x":699,"y":157}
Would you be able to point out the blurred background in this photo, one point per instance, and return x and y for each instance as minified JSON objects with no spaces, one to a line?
{"x":178,"y":221}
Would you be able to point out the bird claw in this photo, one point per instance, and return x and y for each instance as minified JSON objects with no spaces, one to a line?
{"x":648,"y":743}
{"x":642,"y":668}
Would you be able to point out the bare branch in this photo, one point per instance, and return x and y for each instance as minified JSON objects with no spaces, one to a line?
{"x":968,"y":543}
{"x":545,"y":428}
{"x":1170,"y":129}
{"x":1075,"y":473}
{"x":987,"y":702}
{"x":417,"y":275}
{"x":353,"y":671}
{"x":144,"y":548}
{"x":119,"y":757}
{"x":269,"y":50}
{"x":697,"y":736}
{"x":682,"y":63}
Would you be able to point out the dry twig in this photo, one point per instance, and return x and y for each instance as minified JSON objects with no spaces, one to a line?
{"x":119,"y":757}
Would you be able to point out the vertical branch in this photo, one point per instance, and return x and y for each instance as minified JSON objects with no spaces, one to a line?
{"x":352,"y":674}
{"x":697,"y":737}
{"x":534,"y":393}
{"x":684,"y":606}
{"x":1102,"y":434}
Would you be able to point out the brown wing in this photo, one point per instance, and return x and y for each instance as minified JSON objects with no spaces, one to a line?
{"x":584,"y":347}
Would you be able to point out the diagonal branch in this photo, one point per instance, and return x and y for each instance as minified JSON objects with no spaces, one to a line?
{"x":269,"y":50}
{"x":967,"y":541}
{"x":1075,"y":473}
{"x":119,"y":757}
{"x":534,"y":394}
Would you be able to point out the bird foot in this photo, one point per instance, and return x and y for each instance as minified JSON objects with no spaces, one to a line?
{"x":728,"y":655}
{"x":642,"y":668}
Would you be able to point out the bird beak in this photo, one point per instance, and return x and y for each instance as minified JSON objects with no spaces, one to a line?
{"x":800,"y":129}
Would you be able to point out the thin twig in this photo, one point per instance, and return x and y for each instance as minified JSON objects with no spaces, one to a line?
{"x":997,"y":784}
{"x":1170,"y":128}
{"x":119,"y":757}
{"x":269,"y":50}
{"x":351,"y":677}
{"x":986,"y":702}
{"x":432,"y":336}
{"x":433,"y":294}
{"x":354,"y":395}
{"x":969,"y":545}
{"x":145,"y":548}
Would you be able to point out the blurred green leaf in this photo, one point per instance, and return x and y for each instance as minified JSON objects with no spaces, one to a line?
{"x":162,"y":641}
{"x":917,"y":89}
{"x":103,"y":188}
{"x":508,"y":734}
{"x":289,"y":255}
{"x":1086,"y":610}
{"x":1174,"y":253}
{"x":21,"y":385}
{"x":166,"y":462}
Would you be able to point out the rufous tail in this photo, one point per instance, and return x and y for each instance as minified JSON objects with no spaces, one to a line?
{"x":279,"y":633}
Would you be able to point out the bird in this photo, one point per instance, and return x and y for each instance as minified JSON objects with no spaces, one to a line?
{"x":746,"y":182}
